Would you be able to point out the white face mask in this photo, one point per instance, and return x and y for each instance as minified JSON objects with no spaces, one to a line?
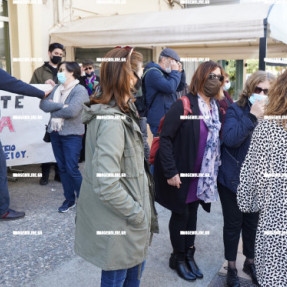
{"x":168,"y":70}
{"x":167,"y":67}
{"x":227,"y":86}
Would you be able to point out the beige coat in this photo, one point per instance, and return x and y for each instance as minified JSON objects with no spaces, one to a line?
{"x":106,"y":203}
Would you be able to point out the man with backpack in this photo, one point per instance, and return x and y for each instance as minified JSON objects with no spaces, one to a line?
{"x":160,"y":83}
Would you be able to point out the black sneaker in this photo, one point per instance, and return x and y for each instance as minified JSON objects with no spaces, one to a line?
{"x":67,"y":205}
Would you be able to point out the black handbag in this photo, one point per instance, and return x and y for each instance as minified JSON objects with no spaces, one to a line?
{"x":47,"y":137}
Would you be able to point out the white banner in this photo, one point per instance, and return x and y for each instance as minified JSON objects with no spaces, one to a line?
{"x":22,"y":128}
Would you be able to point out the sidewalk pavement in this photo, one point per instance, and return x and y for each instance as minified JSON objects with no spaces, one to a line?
{"x":48,"y":260}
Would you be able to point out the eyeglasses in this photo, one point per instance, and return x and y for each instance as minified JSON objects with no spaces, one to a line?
{"x":213,"y":76}
{"x":62,"y":70}
{"x":88,"y":68}
{"x":258,"y":90}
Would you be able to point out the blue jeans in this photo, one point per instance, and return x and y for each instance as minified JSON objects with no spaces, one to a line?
{"x":67,"y":152}
{"x":122,"y":277}
{"x":4,"y":194}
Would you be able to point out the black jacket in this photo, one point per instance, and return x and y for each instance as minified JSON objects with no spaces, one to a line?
{"x":177,"y":154}
{"x":83,"y":82}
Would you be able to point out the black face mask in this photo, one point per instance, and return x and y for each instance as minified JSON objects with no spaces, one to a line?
{"x":56,"y":59}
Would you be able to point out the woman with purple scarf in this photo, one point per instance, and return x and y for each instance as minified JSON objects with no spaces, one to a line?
{"x":187,"y":163}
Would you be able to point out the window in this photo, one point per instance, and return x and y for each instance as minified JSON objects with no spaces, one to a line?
{"x":4,"y":37}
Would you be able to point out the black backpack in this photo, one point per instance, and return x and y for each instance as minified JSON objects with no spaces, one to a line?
{"x":140,"y":96}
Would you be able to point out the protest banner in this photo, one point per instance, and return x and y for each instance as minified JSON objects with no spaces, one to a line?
{"x":22,"y":128}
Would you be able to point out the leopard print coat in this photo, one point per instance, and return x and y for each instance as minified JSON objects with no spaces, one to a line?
{"x":263,"y":188}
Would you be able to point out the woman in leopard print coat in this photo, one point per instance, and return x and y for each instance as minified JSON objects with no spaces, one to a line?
{"x":263,"y":188}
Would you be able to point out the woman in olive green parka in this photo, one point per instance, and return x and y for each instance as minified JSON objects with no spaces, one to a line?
{"x":115,"y":212}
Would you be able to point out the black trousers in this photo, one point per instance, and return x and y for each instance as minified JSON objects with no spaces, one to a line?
{"x":183,"y":222}
{"x":234,"y":222}
{"x":46,"y":167}
{"x":82,"y":154}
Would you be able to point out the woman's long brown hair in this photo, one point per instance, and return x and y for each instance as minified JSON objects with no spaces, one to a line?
{"x":115,"y":79}
{"x":277,"y":104}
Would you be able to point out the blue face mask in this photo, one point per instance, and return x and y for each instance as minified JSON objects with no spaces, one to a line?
{"x":90,"y":75}
{"x":227,"y":86}
{"x":61,"y":77}
{"x":255,"y":97}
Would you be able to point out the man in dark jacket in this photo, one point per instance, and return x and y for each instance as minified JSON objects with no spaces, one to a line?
{"x":10,"y":84}
{"x":161,"y":82}
{"x":47,"y":74}
{"x":48,"y":71}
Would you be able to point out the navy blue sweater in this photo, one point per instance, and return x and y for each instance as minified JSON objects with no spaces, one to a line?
{"x":12,"y":85}
{"x":237,"y":131}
